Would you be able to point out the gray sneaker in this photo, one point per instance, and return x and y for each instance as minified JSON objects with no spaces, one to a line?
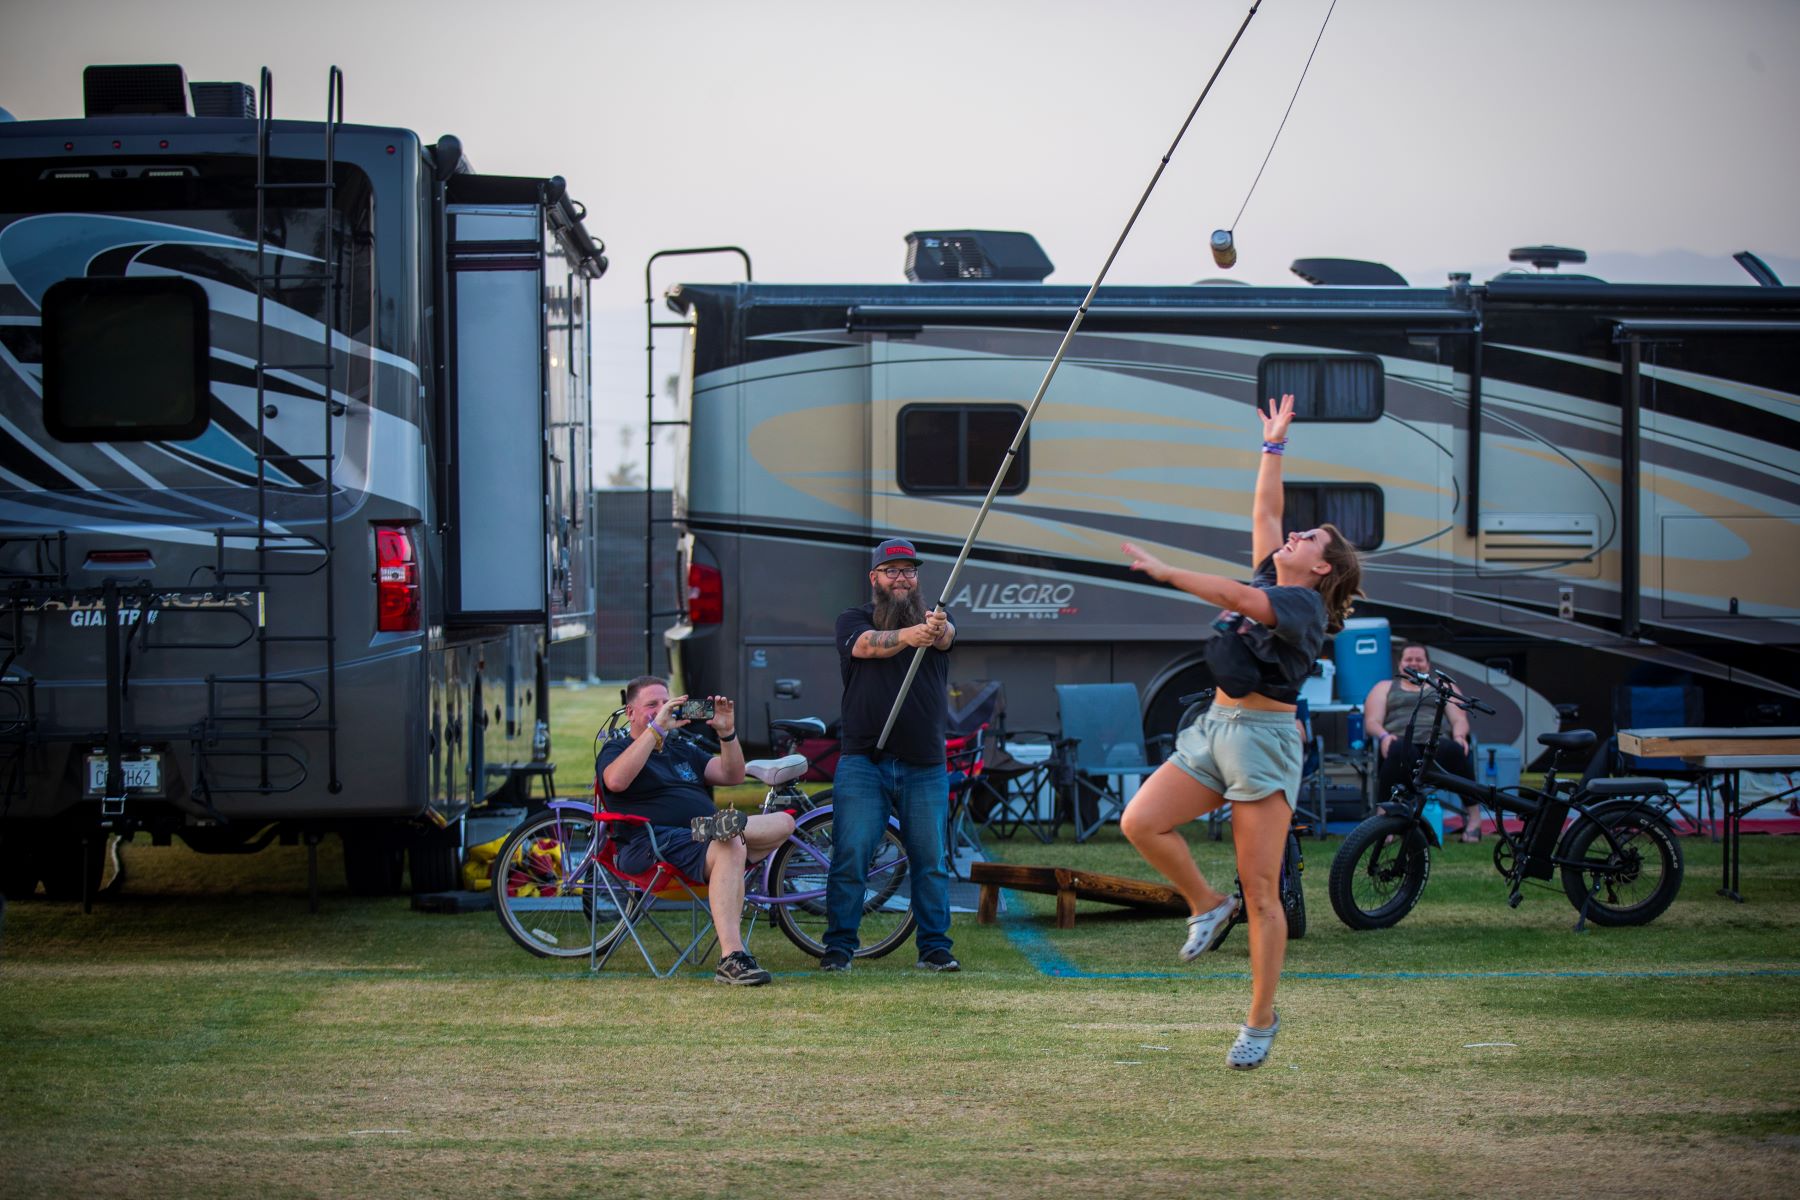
{"x":721,"y":826}
{"x":938,"y":960}
{"x":740,"y":969}
{"x":835,"y":960}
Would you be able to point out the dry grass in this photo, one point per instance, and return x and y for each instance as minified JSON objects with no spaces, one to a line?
{"x":202,"y":1035}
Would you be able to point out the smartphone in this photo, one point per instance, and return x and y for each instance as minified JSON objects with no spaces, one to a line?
{"x":695,"y":710}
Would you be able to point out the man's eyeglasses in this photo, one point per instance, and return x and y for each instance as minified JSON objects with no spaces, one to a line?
{"x":892,"y":573}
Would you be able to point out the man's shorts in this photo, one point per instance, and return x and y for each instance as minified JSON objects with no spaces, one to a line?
{"x":679,"y":849}
{"x":1243,"y":753}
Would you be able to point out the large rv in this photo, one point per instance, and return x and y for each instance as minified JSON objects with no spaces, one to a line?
{"x":1560,"y":483}
{"x":293,"y":479}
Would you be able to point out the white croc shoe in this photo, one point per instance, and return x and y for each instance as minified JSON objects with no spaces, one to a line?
{"x":1207,"y":930}
{"x":1251,"y":1049}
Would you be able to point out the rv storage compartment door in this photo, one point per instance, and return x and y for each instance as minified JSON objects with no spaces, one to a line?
{"x":498,"y":558}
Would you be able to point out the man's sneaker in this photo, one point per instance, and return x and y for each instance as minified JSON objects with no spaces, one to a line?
{"x":938,"y":960}
{"x":721,"y":826}
{"x":740,"y":969}
{"x":835,"y":960}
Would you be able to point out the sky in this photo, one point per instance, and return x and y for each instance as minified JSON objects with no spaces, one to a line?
{"x":1432,"y":135}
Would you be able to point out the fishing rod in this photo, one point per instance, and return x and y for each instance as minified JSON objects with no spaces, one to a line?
{"x":1012,"y":451}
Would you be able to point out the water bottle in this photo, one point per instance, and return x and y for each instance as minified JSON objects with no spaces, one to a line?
{"x":1434,"y":817}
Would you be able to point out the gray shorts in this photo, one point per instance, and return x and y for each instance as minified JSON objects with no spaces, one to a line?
{"x":1242,"y":753}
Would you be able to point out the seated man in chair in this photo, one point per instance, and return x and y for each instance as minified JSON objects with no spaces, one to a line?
{"x":645,"y":774}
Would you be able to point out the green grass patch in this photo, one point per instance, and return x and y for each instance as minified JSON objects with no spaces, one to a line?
{"x":201,"y":1034}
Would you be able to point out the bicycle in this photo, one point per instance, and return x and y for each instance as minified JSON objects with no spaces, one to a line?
{"x":1619,"y":859}
{"x":552,"y":900}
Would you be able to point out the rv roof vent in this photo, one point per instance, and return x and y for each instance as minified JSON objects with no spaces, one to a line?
{"x":135,"y":91}
{"x":967,"y":255}
{"x":1547,"y":258}
{"x":1346,"y":272}
{"x":223,"y":100}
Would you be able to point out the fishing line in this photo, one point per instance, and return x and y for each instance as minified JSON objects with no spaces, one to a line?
{"x":1223,"y":248}
{"x":1012,"y":451}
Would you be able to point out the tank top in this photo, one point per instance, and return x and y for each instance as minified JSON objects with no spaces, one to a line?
{"x":1401,"y":704}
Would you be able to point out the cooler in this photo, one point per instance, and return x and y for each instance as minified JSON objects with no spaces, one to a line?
{"x":1363,"y":652}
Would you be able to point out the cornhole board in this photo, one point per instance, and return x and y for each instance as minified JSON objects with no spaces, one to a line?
{"x":1068,"y":885}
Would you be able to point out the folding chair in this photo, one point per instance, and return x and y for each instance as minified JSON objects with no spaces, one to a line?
{"x":1102,"y":745}
{"x":1006,"y":795}
{"x":963,"y":759}
{"x":632,"y":899}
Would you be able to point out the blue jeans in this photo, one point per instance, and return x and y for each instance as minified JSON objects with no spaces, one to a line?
{"x":864,"y":792}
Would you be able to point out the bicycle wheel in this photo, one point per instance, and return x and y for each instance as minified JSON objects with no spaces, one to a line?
{"x":798,"y":874}
{"x":1293,"y":897}
{"x":1379,"y":872}
{"x":544,"y":886}
{"x":1630,"y":884}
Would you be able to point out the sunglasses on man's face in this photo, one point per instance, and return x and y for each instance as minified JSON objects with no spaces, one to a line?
{"x":893,"y":573}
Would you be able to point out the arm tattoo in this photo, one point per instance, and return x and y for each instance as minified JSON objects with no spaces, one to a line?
{"x":885,"y":639}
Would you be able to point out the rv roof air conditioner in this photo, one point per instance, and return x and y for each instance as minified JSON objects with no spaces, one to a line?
{"x":1546,"y":259}
{"x":156,"y":90}
{"x":223,"y":100}
{"x":975,"y":256}
{"x":1346,"y":272}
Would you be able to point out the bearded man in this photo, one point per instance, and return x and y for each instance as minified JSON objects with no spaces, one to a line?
{"x":875,"y":647}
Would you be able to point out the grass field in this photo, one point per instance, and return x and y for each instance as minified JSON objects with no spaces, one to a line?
{"x":200,"y":1034}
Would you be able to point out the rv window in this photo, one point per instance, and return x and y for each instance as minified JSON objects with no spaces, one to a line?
{"x":1325,"y":388}
{"x":1355,"y":508}
{"x":957,"y":448}
{"x":125,"y":359}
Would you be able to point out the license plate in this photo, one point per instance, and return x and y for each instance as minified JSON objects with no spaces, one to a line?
{"x":143,"y":774}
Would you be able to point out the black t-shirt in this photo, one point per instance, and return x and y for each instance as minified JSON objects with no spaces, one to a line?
{"x":670,"y":789}
{"x":1248,"y":657}
{"x":870,"y":685}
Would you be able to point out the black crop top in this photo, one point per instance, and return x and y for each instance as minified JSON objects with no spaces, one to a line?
{"x":1246,"y":656}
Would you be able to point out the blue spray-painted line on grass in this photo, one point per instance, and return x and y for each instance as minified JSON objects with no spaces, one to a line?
{"x":1034,"y":944}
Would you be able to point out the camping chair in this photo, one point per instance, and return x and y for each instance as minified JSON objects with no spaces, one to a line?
{"x":963,"y":759}
{"x":1006,"y":795}
{"x":1102,"y":746}
{"x":1640,"y":706}
{"x":631,"y":901}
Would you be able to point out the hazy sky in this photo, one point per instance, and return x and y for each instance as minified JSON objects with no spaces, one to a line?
{"x":1430,"y":134}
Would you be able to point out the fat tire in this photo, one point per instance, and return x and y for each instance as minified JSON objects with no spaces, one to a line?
{"x":1652,"y":837}
{"x":1293,"y":893}
{"x":1406,"y":860}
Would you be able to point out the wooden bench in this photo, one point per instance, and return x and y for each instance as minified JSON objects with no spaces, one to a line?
{"x":1068,"y":885}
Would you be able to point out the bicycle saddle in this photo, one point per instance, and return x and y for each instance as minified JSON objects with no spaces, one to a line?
{"x":1574,"y":739}
{"x":777,"y":771}
{"x":800,"y":727}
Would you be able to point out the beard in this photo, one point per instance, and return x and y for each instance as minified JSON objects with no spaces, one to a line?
{"x":892,"y":612}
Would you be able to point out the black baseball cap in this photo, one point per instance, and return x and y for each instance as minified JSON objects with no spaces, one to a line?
{"x":894,"y":550}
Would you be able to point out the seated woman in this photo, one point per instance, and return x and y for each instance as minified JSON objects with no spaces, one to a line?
{"x":1388,"y":715}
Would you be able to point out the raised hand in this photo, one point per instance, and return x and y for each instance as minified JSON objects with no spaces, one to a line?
{"x":724,"y":719}
{"x":1149,"y":564}
{"x":1275,"y":422}
{"x":665,"y":716}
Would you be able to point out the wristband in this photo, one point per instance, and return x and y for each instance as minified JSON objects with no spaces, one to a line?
{"x":657,"y":730}
{"x":728,"y":737}
{"x":1275,"y":447}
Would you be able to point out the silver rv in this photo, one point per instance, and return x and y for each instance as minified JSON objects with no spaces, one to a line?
{"x":1567,"y":485}
{"x":293,"y":479}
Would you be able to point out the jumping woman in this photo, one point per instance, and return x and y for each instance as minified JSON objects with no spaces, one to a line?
{"x":1246,"y":749}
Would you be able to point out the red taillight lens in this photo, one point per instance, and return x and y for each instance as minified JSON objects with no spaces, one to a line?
{"x":706,"y":595}
{"x":397,"y":608}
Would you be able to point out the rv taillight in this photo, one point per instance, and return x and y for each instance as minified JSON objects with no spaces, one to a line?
{"x":397,"y":608}
{"x":706,"y":595}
